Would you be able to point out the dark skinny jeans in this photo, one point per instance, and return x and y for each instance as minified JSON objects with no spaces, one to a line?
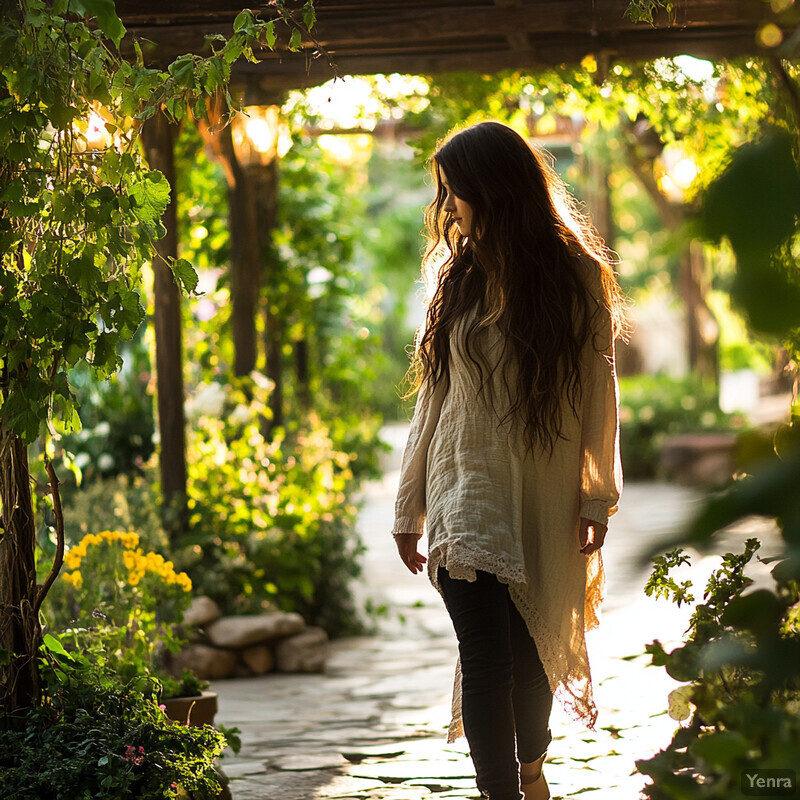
{"x":506,"y":699}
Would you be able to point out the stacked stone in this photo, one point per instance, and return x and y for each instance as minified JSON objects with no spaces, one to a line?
{"x":244,"y":646}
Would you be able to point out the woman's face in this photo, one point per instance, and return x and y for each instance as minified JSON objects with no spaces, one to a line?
{"x":458,"y":209}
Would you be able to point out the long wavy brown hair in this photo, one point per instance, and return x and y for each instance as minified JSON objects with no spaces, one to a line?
{"x":532,"y":265}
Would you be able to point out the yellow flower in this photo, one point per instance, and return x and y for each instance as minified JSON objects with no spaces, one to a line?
{"x":72,"y":559}
{"x":131,"y":540}
{"x":75,"y":578}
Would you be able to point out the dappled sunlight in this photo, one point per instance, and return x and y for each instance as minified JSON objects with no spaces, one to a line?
{"x":360,"y":101}
{"x":374,"y":726}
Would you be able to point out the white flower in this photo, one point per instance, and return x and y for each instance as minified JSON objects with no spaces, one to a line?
{"x":105,"y":462}
{"x":208,"y":401}
{"x":240,"y":415}
{"x":102,"y":429}
{"x":262,"y":381}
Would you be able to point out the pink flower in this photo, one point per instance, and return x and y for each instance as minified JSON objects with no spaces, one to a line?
{"x":163,"y":708}
{"x":132,"y":755}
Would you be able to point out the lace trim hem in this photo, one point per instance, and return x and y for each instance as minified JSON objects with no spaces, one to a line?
{"x":567,"y":671}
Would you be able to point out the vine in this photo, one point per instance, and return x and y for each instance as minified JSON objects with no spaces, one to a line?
{"x":643,"y":10}
{"x":80,"y":215}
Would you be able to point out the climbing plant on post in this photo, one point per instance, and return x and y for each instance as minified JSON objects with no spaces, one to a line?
{"x":80,"y":214}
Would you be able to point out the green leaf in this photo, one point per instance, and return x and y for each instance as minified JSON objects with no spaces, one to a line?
{"x":176,"y":108}
{"x":234,"y":48}
{"x":151,"y":193}
{"x":130,"y":314}
{"x":8,"y":38}
{"x":62,"y":114}
{"x":755,"y":202}
{"x":309,"y":16}
{"x":759,"y":612}
{"x":659,"y":655}
{"x":269,"y":34}
{"x":767,"y":294}
{"x":684,"y":663}
{"x":244,"y":19}
{"x":182,"y":70}
{"x":111,"y":167}
{"x":82,"y":272}
{"x":105,"y":360}
{"x":185,"y":275}
{"x":215,"y":76}
{"x":721,"y":748}
{"x":13,"y":192}
{"x":54,"y":645}
{"x":106,"y":15}
{"x":296,"y":40}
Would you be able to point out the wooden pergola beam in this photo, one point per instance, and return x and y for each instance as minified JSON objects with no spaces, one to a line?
{"x":434,"y":36}
{"x":540,"y":55}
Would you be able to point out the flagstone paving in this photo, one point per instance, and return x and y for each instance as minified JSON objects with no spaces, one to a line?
{"x":373,"y":727}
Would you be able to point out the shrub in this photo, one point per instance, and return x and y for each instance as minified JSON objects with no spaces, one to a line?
{"x":117,"y":416}
{"x":653,"y":407}
{"x":741,"y":660}
{"x":272,"y":520}
{"x":124,"y":502}
{"x":93,"y":737}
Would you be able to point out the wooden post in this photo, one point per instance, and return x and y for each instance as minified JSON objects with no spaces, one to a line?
{"x":252,"y":204}
{"x":252,"y":198}
{"x":245,"y":254}
{"x":158,"y":137}
{"x":264,"y":178}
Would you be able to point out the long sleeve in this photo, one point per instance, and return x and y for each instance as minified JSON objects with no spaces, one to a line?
{"x":601,"y":468}
{"x":410,"y":507}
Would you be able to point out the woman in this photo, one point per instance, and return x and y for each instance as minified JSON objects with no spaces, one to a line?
{"x":512,"y":460}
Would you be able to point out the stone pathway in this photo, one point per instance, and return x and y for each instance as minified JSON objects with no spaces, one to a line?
{"x":373,"y":727}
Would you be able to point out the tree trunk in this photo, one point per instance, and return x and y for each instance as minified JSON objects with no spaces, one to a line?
{"x":158,"y":137}
{"x":302,"y":373}
{"x":20,"y":632}
{"x":598,"y":199}
{"x":702,"y":331}
{"x":273,"y":344}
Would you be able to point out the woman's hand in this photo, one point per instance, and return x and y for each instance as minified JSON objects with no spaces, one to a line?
{"x":407,"y":547}
{"x":591,"y":535}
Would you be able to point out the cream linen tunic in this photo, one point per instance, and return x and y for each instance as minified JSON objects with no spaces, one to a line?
{"x":490,"y":505}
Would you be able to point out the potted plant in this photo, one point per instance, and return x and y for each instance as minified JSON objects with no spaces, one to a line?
{"x":187,"y":699}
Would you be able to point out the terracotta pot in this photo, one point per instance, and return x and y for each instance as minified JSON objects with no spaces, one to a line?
{"x":197,"y":711}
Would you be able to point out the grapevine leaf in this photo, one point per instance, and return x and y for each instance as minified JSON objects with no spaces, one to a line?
{"x":296,"y":41}
{"x":269,"y":34}
{"x":185,"y":275}
{"x":106,"y":15}
{"x":151,"y":193}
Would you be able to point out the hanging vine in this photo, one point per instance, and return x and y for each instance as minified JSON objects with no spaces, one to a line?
{"x":80,"y":214}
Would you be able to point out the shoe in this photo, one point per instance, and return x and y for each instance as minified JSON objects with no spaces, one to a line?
{"x":532,"y":781}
